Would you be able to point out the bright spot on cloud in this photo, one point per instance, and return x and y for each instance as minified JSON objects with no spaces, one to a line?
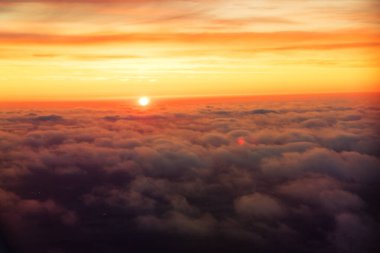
{"x":240,"y":141}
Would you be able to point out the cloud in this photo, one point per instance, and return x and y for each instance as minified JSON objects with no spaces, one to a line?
{"x":296,"y":176}
{"x":16,"y":211}
{"x":215,"y":140}
{"x":261,"y":39}
{"x":178,"y":223}
{"x":352,"y":234}
{"x":262,"y":111}
{"x":322,"y":192}
{"x":345,"y":165}
{"x":258,"y":206}
{"x":84,"y":1}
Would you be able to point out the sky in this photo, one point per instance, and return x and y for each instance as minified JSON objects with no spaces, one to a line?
{"x":92,"y":49}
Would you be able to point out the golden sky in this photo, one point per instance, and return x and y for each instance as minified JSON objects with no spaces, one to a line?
{"x":93,"y":49}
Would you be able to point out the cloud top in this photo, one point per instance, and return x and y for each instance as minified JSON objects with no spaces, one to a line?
{"x":296,"y":176}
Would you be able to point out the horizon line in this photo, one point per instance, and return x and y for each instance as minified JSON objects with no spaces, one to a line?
{"x":195,"y":96}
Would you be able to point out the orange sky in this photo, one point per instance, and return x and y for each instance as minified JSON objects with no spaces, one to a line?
{"x":93,"y":49}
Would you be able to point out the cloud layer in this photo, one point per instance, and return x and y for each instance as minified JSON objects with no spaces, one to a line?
{"x":296,"y":175}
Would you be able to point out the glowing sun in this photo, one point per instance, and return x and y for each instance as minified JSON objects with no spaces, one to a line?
{"x":144,"y":101}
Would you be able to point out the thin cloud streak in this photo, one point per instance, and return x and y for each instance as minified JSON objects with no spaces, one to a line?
{"x":273,"y":37}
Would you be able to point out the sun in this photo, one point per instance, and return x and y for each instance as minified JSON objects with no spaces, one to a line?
{"x":144,"y":101}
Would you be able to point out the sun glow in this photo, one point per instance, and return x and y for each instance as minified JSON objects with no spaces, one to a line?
{"x":144,"y":101}
{"x":127,"y":49}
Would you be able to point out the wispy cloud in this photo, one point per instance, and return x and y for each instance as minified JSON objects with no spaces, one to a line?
{"x":191,"y":39}
{"x":229,"y":38}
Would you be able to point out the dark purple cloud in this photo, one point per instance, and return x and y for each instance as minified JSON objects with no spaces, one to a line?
{"x":296,"y":176}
